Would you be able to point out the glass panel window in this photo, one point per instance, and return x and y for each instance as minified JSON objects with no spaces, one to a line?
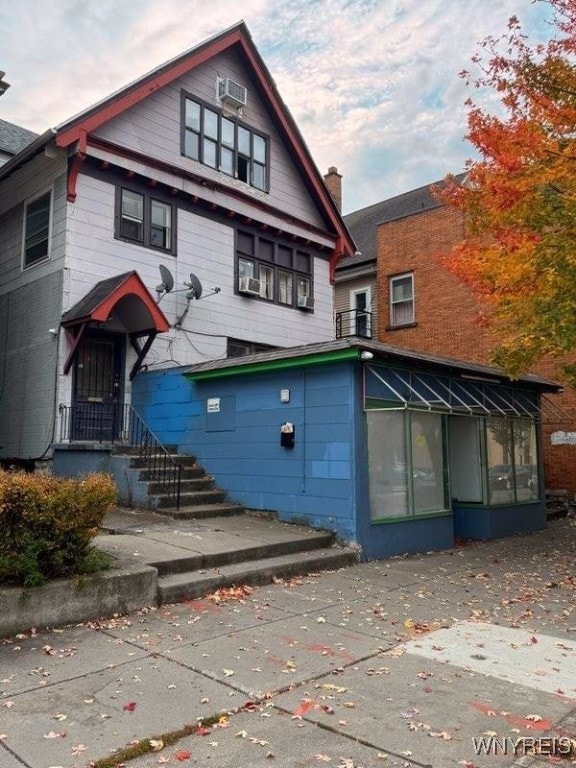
{"x":285,"y":295}
{"x":160,"y":224}
{"x":37,"y":230}
{"x":227,"y":161}
{"x":402,"y":300}
{"x":258,"y":176}
{"x":466,"y":465}
{"x":267,"y":283}
{"x":500,"y":460}
{"x":243,"y":141}
{"x":303,"y":287}
{"x":427,"y":462}
{"x":210,"y":124}
{"x":246,"y":268}
{"x":227,"y":132}
{"x":193,"y":115}
{"x":387,"y":465}
{"x":209,"y":155}
{"x":132,"y":216}
{"x":192,"y":145}
{"x":220,"y":142}
{"x":259,"y":149}
{"x":525,"y":460}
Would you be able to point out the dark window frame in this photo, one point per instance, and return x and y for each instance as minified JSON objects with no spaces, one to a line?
{"x":148,"y":198}
{"x":27,"y":263}
{"x":245,"y":347}
{"x":269,"y":257}
{"x":240,"y":159}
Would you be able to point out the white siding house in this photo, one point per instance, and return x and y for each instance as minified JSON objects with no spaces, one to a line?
{"x":198,"y":168}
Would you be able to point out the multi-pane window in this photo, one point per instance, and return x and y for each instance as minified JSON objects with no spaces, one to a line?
{"x":275,"y":272}
{"x":240,"y":348}
{"x":37,"y":230}
{"x":224,"y":144}
{"x":402,"y":299}
{"x":144,"y":219}
{"x":512,"y":460}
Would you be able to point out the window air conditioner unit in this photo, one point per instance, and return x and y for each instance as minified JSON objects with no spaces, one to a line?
{"x":305,"y":302}
{"x":232,"y":93}
{"x":250,"y":285}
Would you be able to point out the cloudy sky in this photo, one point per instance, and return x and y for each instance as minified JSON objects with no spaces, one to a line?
{"x":373,"y":84}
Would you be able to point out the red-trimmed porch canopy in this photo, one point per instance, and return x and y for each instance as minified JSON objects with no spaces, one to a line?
{"x":120,"y":304}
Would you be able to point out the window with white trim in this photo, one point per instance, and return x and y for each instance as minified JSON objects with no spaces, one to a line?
{"x":224,"y":144}
{"x":402,"y":299}
{"x":37,"y":217}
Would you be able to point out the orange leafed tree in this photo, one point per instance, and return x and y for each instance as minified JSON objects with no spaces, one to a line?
{"x":519,"y":198}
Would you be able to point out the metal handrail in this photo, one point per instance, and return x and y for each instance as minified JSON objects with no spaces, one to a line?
{"x":354,"y":322}
{"x":96,"y":423}
{"x":165,"y":470}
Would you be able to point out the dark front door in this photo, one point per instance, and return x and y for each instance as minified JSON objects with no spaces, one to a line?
{"x":97,"y":396}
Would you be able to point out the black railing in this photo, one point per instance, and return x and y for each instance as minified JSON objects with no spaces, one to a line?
{"x":354,"y":322}
{"x":111,"y":423}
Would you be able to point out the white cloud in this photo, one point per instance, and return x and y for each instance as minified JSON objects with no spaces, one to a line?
{"x":373,"y":85}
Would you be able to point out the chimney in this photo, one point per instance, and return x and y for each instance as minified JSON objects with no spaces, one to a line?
{"x":333,"y":181}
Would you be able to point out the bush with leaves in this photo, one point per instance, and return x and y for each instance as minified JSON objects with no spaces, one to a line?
{"x":47,"y":524}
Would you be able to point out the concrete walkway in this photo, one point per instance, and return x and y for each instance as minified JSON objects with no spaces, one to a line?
{"x":403,"y":662}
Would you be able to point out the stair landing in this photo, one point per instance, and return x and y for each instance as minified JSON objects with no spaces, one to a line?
{"x":196,"y":557}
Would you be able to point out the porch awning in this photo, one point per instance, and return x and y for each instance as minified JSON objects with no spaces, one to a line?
{"x":473,"y":396}
{"x":120,"y":304}
{"x":123,"y":303}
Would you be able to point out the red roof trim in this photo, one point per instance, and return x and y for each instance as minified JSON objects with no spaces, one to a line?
{"x":124,"y":101}
{"x":239,"y":35}
{"x":133,"y":285}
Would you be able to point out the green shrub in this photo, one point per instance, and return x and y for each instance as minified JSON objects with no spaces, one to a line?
{"x":47,"y":524}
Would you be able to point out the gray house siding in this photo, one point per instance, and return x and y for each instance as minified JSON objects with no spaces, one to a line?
{"x":28,"y":365}
{"x":30,"y":304}
{"x":153,"y":128}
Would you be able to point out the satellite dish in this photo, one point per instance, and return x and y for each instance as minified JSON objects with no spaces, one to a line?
{"x":167,"y":280}
{"x":195,"y":287}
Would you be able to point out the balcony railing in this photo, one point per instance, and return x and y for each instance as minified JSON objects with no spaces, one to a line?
{"x":120,"y":424}
{"x":354,"y":322}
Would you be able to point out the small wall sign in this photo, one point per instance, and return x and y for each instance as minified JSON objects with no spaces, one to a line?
{"x":563,"y":438}
{"x":213,"y":405}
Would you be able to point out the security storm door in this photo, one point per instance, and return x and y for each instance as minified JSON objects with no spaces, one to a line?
{"x":97,"y":398}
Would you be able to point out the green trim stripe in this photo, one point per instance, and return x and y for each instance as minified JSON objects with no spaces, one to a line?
{"x":275,"y":365}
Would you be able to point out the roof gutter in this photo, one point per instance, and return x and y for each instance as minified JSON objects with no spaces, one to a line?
{"x":28,"y":152}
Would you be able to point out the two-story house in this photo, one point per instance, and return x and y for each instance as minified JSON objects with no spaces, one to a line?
{"x":424,"y":307}
{"x":179,"y":220}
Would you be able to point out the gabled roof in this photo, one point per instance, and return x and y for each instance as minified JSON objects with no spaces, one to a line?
{"x":363,"y":224}
{"x":237,"y":37}
{"x":98,"y":303}
{"x":14,"y":138}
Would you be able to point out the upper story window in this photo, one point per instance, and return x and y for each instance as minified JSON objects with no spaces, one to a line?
{"x":402,"y":299}
{"x":37,"y":230}
{"x":224,"y":144}
{"x":146,"y":220}
{"x":274,"y":272}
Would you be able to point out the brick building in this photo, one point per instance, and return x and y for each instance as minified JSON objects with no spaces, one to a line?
{"x":421,"y":306}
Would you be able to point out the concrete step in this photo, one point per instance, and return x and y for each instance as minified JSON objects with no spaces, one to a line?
{"x":310,"y":540}
{"x":184,"y":586}
{"x":200,"y":511}
{"x":158,"y":459}
{"x":196,"y":499}
{"x":187,"y":486}
{"x":187,"y":473}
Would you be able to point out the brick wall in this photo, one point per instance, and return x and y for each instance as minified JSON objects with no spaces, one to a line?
{"x":446,"y":315}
